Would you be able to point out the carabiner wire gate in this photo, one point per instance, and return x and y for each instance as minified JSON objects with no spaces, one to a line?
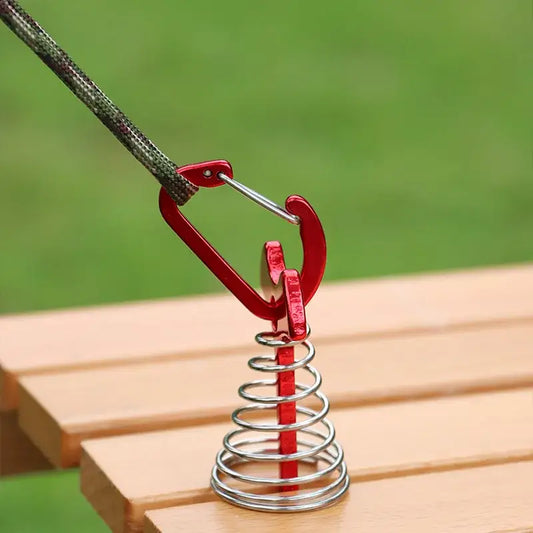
{"x":259,"y":199}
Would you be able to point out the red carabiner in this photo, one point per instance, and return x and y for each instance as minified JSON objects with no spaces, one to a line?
{"x":311,"y":234}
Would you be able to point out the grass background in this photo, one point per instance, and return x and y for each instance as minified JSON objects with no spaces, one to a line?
{"x":406,"y":124}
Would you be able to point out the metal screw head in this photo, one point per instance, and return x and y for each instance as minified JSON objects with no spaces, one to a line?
{"x":207,"y":173}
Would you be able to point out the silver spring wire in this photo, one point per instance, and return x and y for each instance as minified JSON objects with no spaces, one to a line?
{"x":142,"y":148}
{"x":254,"y":441}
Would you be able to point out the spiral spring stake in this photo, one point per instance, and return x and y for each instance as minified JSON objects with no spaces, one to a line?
{"x":251,"y":447}
{"x":288,"y":461}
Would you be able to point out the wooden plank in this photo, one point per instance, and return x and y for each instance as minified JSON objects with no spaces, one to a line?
{"x":17,"y":453}
{"x":124,"y":476}
{"x":58,"y":411}
{"x":473,"y":500}
{"x":114,"y":334}
{"x":468,"y":501}
{"x":108,"y":335}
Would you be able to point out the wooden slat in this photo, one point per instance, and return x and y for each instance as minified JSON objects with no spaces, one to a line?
{"x":470,"y":501}
{"x":125,"y":476}
{"x":59,"y":410}
{"x":43,"y":342}
{"x":17,"y":453}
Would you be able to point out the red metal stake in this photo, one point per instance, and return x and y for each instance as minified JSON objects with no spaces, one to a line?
{"x":275,"y":280}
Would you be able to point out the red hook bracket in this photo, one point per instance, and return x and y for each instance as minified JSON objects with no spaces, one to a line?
{"x":311,"y":234}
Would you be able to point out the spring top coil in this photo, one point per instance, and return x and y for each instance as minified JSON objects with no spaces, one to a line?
{"x":253,"y":443}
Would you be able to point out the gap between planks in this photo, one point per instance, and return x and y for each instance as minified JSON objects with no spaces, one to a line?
{"x":478,"y":499}
{"x":122,"y":477}
{"x":59,"y":411}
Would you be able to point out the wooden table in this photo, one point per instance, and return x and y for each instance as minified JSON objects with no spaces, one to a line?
{"x":429,"y":377}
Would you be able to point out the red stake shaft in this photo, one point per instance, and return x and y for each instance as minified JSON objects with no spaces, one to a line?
{"x":287,"y":415}
{"x":279,"y":282}
{"x":296,"y":326}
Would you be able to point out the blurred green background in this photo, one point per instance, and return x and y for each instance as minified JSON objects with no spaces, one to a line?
{"x":406,"y":124}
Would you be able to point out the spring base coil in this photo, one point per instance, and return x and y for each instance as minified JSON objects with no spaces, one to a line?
{"x":253,"y":446}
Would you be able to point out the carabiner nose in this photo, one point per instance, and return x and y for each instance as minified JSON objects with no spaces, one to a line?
{"x":311,"y":234}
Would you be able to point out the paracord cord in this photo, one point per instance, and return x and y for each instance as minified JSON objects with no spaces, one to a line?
{"x":144,"y":150}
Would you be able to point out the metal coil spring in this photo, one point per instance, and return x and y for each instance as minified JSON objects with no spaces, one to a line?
{"x":317,"y":447}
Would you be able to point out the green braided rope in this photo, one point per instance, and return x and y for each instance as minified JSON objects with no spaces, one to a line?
{"x":87,"y":91}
